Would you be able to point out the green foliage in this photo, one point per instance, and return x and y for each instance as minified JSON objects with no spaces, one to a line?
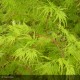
{"x":39,"y":37}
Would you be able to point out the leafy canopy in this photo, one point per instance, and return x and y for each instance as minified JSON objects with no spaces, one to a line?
{"x":40,"y":37}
